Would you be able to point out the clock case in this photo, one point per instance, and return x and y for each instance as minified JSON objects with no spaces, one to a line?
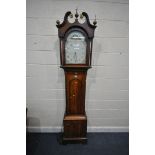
{"x":75,"y":119}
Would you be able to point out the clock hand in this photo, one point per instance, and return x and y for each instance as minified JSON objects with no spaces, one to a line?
{"x":75,"y":57}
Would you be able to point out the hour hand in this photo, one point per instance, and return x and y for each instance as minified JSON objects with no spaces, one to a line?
{"x":75,"y":57}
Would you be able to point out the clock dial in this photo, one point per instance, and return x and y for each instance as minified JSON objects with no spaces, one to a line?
{"x":75,"y":48}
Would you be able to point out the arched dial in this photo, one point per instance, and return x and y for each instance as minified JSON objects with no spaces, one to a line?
{"x":75,"y":48}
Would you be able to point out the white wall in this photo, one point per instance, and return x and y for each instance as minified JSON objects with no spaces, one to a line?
{"x":107,"y":82}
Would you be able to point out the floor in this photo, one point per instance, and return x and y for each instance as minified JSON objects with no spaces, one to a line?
{"x":98,"y":144}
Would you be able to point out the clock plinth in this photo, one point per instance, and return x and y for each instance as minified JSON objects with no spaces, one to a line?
{"x":76,"y":41}
{"x":75,"y":129}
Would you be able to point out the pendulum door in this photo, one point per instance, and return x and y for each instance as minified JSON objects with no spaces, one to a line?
{"x":75,"y":83}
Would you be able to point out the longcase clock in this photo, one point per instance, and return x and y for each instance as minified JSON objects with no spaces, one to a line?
{"x":76,"y":40}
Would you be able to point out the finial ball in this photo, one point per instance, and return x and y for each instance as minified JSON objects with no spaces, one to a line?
{"x":58,"y":22}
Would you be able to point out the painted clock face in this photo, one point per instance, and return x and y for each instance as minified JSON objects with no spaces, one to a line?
{"x":75,"y":48}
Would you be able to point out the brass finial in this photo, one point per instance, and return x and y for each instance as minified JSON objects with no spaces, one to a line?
{"x":95,"y":22}
{"x":76,"y":14}
{"x":58,"y":22}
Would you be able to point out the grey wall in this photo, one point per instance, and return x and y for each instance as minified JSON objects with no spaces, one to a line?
{"x":107,"y":82}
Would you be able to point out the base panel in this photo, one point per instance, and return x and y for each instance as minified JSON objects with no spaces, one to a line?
{"x":82,"y":140}
{"x":75,"y":129}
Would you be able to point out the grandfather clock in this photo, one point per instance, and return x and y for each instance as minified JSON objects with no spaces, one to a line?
{"x":76,"y":40}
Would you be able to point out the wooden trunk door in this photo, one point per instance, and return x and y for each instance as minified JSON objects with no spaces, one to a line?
{"x":75,"y":92}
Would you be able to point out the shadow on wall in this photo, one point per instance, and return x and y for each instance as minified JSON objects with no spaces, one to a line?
{"x":57,"y":51}
{"x":92,"y":72}
{"x":60,"y":80}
